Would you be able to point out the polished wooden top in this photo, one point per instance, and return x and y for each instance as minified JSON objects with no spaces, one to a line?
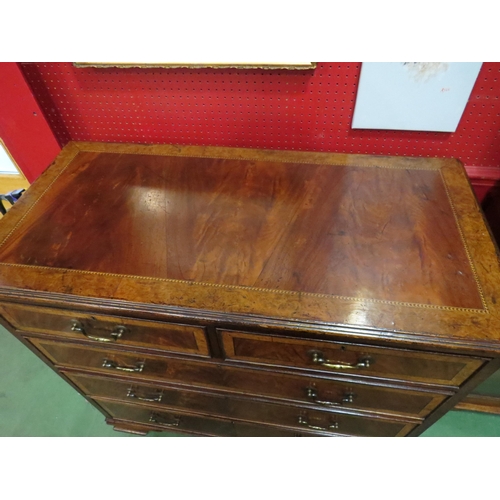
{"x":390,"y":243}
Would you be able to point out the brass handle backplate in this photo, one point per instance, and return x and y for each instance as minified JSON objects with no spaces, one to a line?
{"x":156,"y":418}
{"x":139,"y":366}
{"x":318,"y":359}
{"x":155,"y":399}
{"x":348,"y":397}
{"x":303,"y":421}
{"x":76,"y":326}
{"x":118,"y":332}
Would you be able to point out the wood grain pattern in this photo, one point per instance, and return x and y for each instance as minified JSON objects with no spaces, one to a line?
{"x":302,"y":390}
{"x":137,"y":419}
{"x":348,"y":425}
{"x":100,"y":330}
{"x":311,"y":278}
{"x":291,"y":227}
{"x":391,"y":266}
{"x":480,"y":403}
{"x":219,"y":405}
{"x":383,"y":363}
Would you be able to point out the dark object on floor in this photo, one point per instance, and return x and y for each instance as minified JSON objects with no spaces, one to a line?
{"x":11,"y":197}
{"x":491,"y":209}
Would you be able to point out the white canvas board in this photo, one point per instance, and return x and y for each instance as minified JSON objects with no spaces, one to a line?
{"x":6,"y":164}
{"x":413,"y":96}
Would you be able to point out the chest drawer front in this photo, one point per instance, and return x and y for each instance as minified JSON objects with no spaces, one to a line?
{"x":324,"y":394}
{"x":108,"y":329}
{"x":205,"y":375}
{"x":336,"y":357}
{"x":179,"y":422}
{"x":104,"y":361}
{"x":209,"y":404}
{"x":230,"y":406}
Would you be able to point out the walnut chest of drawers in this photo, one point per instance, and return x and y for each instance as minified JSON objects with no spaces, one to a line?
{"x":238,"y":292}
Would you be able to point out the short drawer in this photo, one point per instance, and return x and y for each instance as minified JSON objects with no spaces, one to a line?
{"x":337,"y":357}
{"x":326,"y":394}
{"x":107,"y":361}
{"x":288,"y":417}
{"x":181,"y":422}
{"x":108,"y":329}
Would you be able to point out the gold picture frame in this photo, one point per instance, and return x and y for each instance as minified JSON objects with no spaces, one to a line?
{"x":209,"y":65}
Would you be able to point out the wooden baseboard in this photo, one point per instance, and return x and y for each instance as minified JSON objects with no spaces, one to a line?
{"x":483,"y":404}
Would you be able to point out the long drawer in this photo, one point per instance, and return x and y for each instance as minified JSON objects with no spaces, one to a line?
{"x":173,"y":421}
{"x":346,"y":425}
{"x":335,"y":357}
{"x":239,"y":408}
{"x":301,"y":388}
{"x":101,"y":329}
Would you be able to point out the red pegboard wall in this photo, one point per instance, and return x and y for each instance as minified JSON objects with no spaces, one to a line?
{"x":297,"y":110}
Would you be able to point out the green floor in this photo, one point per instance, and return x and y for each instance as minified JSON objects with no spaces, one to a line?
{"x":34,"y":401}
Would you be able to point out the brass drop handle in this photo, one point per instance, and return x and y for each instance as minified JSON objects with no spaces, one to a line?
{"x":118,"y":331}
{"x":303,"y":421}
{"x":318,"y":359}
{"x":158,"y":419}
{"x":139,"y":366}
{"x":313,"y":394}
{"x":131,"y":394}
{"x":76,"y":326}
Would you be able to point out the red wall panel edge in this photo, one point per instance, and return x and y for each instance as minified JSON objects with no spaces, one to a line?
{"x":484,"y":180}
{"x":23,"y":126}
